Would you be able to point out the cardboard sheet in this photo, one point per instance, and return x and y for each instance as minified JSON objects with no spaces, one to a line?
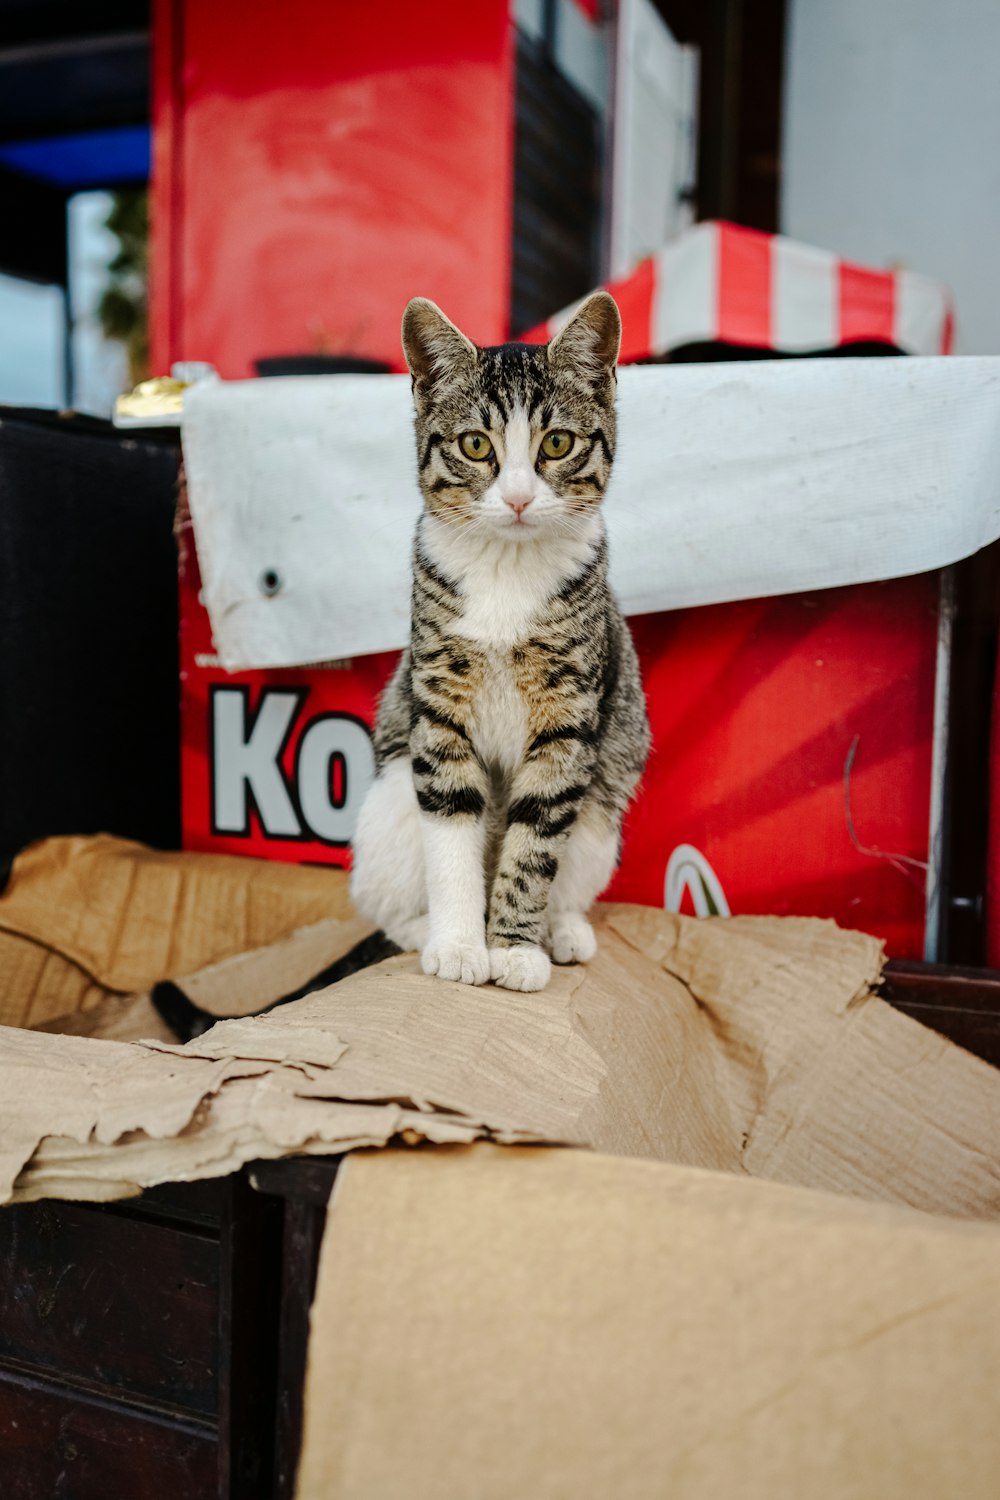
{"x":732,"y":481}
{"x":753,"y":1045}
{"x":551,"y":1324}
{"x":84,"y":920}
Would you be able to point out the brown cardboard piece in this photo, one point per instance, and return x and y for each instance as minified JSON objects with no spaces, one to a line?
{"x":556,"y":1323}
{"x":84,"y":921}
{"x":753,"y":1045}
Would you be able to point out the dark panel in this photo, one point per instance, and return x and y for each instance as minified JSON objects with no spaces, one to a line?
{"x":23,"y":22}
{"x":962,"y":1004}
{"x":88,"y":618}
{"x":116,"y":1303}
{"x":85,"y":83}
{"x":309,"y":1178}
{"x":251,"y":1278}
{"x":967,"y":775}
{"x":195,"y":1204}
{"x":304,"y":1227}
{"x":305,"y":1183}
{"x":32,"y":229}
{"x":758,"y":114}
{"x":57,"y":1445}
{"x":713,"y":352}
{"x":557,"y":191}
{"x":742,"y":49}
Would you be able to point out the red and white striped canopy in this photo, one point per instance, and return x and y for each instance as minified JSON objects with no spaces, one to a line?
{"x":721,"y":283}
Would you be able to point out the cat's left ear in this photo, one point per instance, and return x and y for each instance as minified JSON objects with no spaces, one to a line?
{"x":433,"y":346}
{"x":589,"y":343}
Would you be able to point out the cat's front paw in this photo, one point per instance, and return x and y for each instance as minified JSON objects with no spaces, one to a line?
{"x":572,"y":939}
{"x":465,"y":963}
{"x":522,"y":968}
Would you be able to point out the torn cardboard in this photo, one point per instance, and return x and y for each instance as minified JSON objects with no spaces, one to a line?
{"x":87,"y":921}
{"x":552,"y":1323}
{"x":751,"y":1045}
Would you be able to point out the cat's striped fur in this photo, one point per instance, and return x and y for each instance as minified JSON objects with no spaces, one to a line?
{"x":511,"y":737}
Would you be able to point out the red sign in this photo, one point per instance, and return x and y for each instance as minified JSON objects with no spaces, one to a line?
{"x":757,"y":708}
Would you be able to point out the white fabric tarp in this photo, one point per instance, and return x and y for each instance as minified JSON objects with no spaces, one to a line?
{"x":732,"y":481}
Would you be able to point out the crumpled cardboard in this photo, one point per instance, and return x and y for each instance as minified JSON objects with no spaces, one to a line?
{"x":557,"y":1323}
{"x":537,"y":1322}
{"x":85,"y":922}
{"x":751,"y":1045}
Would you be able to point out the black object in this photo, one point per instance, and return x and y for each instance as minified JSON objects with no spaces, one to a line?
{"x":320,"y":364}
{"x":187,"y":1020}
{"x":713,"y":351}
{"x":89,"y":715}
{"x":557,"y":190}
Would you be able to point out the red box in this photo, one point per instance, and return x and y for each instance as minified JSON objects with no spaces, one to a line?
{"x":758,"y":709}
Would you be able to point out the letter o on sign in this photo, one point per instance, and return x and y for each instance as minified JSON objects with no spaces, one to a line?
{"x":327,"y":739}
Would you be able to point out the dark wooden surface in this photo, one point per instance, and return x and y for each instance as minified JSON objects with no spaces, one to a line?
{"x":248,"y":1335}
{"x":305,"y":1223}
{"x":127,"y":1305}
{"x":66,"y":1443}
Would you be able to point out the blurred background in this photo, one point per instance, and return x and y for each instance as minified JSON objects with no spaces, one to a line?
{"x":233,"y":183}
{"x":262,"y":187}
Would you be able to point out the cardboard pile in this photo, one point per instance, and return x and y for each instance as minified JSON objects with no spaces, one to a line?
{"x":750,"y":1045}
{"x":86,"y":923}
{"x":496,"y":1321}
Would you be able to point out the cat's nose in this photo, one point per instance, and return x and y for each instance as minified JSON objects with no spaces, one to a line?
{"x":518,"y":503}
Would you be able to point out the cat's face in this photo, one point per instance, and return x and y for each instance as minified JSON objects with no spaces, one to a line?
{"x":516,"y":441}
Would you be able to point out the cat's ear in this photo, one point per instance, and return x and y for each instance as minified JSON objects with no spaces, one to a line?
{"x":589,"y":343}
{"x":433,"y":346}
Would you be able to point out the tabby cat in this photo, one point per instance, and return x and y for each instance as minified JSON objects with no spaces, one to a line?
{"x":513,"y":733}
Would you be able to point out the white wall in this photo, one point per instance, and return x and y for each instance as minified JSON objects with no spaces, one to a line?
{"x":891,"y":149}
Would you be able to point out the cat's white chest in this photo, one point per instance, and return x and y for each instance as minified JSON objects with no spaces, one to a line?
{"x":499,"y":715}
{"x":504,"y":592}
{"x":505,"y":586}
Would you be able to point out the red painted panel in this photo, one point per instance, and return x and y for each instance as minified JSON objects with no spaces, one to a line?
{"x":634,"y":295}
{"x":754,"y":708}
{"x":744,"y":286}
{"x":948,"y":331}
{"x":325,"y":163}
{"x":867,"y":304}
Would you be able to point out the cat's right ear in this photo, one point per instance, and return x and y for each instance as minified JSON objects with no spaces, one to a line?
{"x":433,"y":346}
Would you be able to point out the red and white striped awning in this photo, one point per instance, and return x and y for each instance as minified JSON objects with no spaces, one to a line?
{"x":721,"y":283}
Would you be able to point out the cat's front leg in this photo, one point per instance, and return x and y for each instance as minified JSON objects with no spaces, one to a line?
{"x":451,"y":793}
{"x":545,"y":798}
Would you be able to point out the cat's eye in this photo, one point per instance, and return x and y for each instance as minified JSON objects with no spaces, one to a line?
{"x":475,"y":445}
{"x":557,"y":444}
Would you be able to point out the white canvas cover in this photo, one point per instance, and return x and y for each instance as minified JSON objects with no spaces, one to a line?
{"x":732,"y":481}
